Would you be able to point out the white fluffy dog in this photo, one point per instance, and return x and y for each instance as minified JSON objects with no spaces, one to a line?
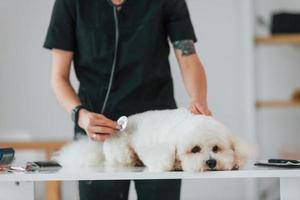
{"x":162,"y":140}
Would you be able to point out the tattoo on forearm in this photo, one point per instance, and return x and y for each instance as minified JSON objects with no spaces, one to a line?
{"x":187,"y":47}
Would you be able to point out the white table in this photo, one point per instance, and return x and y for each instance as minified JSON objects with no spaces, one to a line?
{"x":289,"y":178}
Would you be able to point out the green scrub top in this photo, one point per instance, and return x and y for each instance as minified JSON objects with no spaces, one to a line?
{"x":142,"y":79}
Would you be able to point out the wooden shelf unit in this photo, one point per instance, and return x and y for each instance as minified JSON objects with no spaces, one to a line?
{"x":278,"y":39}
{"x":47,"y":146}
{"x":277,"y":104}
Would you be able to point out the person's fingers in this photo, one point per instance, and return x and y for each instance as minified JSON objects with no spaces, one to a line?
{"x":104,"y":121}
{"x":199,"y":109}
{"x":100,"y":137}
{"x":205,"y":111}
{"x":90,"y":134}
{"x":193,"y":109}
{"x":101,"y":130}
{"x":202,"y":110}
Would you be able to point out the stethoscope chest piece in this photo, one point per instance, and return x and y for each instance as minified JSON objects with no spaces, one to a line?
{"x":122,"y":122}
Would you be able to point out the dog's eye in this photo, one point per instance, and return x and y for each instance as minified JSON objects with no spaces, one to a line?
{"x":216,"y":149}
{"x":196,"y":149}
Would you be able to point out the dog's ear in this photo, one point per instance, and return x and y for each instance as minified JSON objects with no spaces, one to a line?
{"x":242,"y":151}
{"x":177,"y":163}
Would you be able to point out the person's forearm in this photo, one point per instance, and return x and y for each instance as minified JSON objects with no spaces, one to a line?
{"x":60,"y":79}
{"x":193,"y":74}
{"x":194,"y":77}
{"x":65,"y":93}
{"x":96,"y":126}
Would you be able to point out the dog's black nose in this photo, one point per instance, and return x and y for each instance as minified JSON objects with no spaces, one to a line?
{"x":211,"y":163}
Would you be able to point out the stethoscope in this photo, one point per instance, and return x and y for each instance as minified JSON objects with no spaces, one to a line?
{"x":122,"y":121}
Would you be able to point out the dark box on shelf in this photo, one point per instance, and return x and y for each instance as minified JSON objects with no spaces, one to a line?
{"x":285,"y":23}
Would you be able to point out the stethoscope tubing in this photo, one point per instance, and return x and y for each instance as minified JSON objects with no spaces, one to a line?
{"x":117,"y":36}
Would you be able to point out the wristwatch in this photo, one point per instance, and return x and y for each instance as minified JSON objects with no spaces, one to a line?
{"x":75,"y":113}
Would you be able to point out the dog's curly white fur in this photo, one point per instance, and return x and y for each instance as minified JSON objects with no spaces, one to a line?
{"x":163,"y":140}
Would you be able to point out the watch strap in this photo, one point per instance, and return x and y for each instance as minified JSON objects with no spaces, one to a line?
{"x":75,"y":113}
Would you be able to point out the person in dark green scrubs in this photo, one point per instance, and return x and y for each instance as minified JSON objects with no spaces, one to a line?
{"x":83,"y":32}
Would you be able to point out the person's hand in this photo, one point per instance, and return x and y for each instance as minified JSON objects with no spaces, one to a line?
{"x":97,"y":126}
{"x":198,"y":106}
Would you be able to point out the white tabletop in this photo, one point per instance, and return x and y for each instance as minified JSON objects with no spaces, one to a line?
{"x":141,"y":173}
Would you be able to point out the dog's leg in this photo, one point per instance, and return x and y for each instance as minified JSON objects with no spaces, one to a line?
{"x":80,"y":154}
{"x":117,"y":151}
{"x":158,"y":158}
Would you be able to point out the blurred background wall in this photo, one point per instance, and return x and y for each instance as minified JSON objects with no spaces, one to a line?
{"x":277,"y":76}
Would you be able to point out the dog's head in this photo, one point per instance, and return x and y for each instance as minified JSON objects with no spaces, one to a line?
{"x":207,"y":145}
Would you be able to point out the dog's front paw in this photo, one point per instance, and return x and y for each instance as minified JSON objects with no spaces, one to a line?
{"x":158,"y":169}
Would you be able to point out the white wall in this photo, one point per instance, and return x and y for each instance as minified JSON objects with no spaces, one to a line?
{"x":27,"y":102}
{"x":277,"y":75}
